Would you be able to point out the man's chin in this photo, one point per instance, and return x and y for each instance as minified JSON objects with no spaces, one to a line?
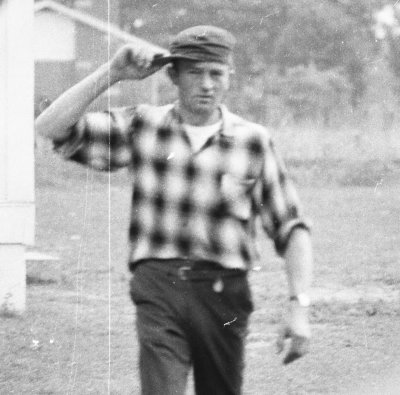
{"x":205,"y":107}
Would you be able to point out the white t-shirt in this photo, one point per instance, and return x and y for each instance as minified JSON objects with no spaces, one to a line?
{"x":198,"y":135}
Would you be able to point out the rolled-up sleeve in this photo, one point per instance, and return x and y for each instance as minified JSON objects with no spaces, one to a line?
{"x":280,"y":209}
{"x":101,"y":140}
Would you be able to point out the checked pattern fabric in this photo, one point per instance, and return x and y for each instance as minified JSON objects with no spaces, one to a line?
{"x":200,"y":205}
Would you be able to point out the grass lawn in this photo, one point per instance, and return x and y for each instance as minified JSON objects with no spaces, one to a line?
{"x":78,"y":336}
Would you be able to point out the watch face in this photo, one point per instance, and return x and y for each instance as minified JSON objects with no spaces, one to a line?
{"x":302,"y":299}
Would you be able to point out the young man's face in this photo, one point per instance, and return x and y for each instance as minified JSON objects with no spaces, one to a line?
{"x":202,"y":85}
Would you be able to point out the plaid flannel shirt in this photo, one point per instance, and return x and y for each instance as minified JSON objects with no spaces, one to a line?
{"x":185,"y":204}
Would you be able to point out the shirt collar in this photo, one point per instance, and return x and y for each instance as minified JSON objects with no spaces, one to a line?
{"x":226,"y":130}
{"x":227,"y":123}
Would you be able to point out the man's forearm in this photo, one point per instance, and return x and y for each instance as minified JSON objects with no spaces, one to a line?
{"x":129,"y":63}
{"x":65,"y":111}
{"x":299,"y":262}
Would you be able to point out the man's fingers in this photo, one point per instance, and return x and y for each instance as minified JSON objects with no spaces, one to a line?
{"x":280,"y":345}
{"x":284,"y":333}
{"x":290,"y":357}
{"x":159,"y":59}
{"x":299,"y":346}
{"x":140,"y":58}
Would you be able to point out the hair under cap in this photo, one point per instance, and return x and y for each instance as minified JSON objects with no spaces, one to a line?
{"x":203,"y":44}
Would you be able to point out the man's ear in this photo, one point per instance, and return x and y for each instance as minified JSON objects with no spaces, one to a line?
{"x":172,"y":74}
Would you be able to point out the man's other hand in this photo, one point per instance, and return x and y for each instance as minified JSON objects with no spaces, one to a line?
{"x":295,"y":334}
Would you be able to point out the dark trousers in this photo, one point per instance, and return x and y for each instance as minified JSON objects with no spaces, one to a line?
{"x":184,"y":323}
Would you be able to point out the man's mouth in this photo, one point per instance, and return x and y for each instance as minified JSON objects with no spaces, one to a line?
{"x":205,"y":98}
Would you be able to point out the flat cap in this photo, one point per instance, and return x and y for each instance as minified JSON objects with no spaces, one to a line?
{"x":201,"y":43}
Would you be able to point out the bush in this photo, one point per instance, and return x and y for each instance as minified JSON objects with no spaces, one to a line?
{"x":310,"y":94}
{"x":303,"y":94}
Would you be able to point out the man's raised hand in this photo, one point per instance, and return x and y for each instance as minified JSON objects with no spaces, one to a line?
{"x":132,"y":62}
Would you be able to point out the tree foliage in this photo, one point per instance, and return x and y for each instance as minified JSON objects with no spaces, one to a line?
{"x":310,"y":93}
{"x":303,"y":43}
{"x":332,"y":34}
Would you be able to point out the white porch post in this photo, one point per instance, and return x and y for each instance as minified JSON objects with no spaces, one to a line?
{"x":17,"y":207}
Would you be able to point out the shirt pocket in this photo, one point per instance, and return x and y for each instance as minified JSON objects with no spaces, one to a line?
{"x":236,"y":191}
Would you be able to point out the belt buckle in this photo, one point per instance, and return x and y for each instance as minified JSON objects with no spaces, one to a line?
{"x":182,"y":272}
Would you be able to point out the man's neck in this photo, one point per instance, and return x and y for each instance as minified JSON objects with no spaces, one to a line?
{"x":199,"y":119}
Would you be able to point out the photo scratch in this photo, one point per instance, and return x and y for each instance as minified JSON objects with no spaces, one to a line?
{"x":378,"y":184}
{"x":267,"y":16}
{"x":230,"y":322}
{"x":109,"y":202}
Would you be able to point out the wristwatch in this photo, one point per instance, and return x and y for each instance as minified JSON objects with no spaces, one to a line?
{"x":302,"y":299}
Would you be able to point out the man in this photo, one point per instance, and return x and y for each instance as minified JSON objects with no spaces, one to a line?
{"x":201,"y":176}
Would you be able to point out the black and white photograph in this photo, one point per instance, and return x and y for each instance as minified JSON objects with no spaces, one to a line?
{"x":199,"y":197}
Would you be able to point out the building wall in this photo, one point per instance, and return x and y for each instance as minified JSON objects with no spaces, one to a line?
{"x":54,"y":37}
{"x":55,"y":54}
{"x":67,"y":51}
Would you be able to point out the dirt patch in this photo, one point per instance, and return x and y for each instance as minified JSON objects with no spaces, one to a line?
{"x":62,"y":343}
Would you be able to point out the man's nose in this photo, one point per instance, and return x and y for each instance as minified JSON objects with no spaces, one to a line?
{"x":207,"y":82}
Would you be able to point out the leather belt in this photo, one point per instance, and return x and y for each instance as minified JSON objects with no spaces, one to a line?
{"x":193,"y":270}
{"x":188,"y":273}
